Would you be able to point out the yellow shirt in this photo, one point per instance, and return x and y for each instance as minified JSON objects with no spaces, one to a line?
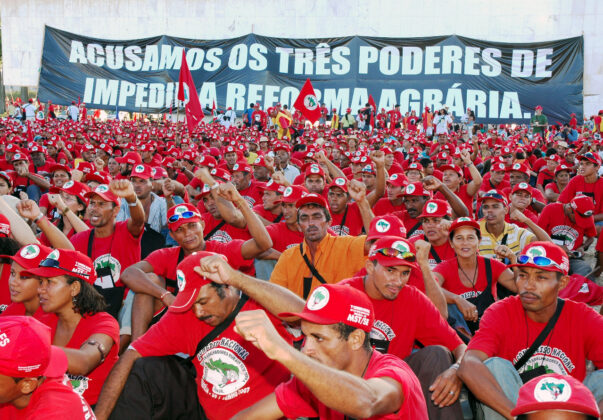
{"x":336,"y":258}
{"x":517,"y":239}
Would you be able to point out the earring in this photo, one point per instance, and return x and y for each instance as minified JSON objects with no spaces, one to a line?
{"x":74,"y":300}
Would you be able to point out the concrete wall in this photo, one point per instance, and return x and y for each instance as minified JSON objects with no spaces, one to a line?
{"x":507,"y":21}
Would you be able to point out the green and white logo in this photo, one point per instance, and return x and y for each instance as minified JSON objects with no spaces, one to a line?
{"x":382,"y":226}
{"x":552,"y":389}
{"x":68,"y":184}
{"x":523,"y":186}
{"x":181,"y":280}
{"x":401,"y":246}
{"x":139,"y":169}
{"x":54,"y":255}
{"x":102,"y":188}
{"x":224,"y":371}
{"x":30,"y":252}
{"x":310,"y":102}
{"x":536,"y":251}
{"x":340,"y":181}
{"x":287,"y":192}
{"x":180,"y":209}
{"x":318,"y":299}
{"x":410,"y":189}
{"x":431,"y":208}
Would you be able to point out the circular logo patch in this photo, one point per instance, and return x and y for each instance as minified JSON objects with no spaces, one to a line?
{"x":310,"y":102}
{"x":382,"y":226}
{"x":314,"y":169}
{"x":401,"y":246}
{"x":517,"y":166}
{"x":54,"y":255}
{"x":181,"y":280}
{"x":213,"y":171}
{"x":463,"y":219}
{"x":235,"y":167}
{"x":536,"y":251}
{"x":139,"y":169}
{"x":30,"y":252}
{"x":68,"y":184}
{"x":393,"y":177}
{"x":410,"y":189}
{"x":523,"y":186}
{"x":340,"y":181}
{"x":257,"y":160}
{"x":287,"y":192}
{"x":431,"y":208}
{"x":552,"y":389}
{"x":180,"y":209}
{"x":318,"y":299}
{"x":102,"y":188}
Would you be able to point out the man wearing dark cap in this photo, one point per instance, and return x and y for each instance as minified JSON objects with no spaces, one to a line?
{"x":230,"y":373}
{"x":531,"y":334}
{"x":32,"y":371}
{"x":337,"y":373}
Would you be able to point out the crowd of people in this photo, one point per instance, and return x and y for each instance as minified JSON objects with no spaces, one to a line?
{"x":375,"y":265}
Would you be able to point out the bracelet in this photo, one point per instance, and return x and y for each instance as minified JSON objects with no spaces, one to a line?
{"x":65,"y":211}
{"x":38,"y":218}
{"x":213,"y":187}
{"x":164,"y":295}
{"x":101,"y":349}
{"x":132,"y":204}
{"x":455,"y":366}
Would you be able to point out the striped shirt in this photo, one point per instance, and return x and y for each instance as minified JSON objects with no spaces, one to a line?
{"x":517,"y":239}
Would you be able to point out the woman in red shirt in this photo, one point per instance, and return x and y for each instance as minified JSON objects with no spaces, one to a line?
{"x":562,"y":177}
{"x":469,"y":280}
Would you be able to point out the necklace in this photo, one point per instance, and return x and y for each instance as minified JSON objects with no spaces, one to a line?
{"x":474,"y":278}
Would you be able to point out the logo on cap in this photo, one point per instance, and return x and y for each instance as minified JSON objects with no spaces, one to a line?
{"x":139,"y":168}
{"x":318,"y":299}
{"x":410,"y":189}
{"x":213,"y":171}
{"x":431,"y":208}
{"x":102,"y":188}
{"x":401,"y":246}
{"x":68,"y":184}
{"x":340,"y":181}
{"x":287,"y":192}
{"x":30,"y":252}
{"x":536,"y":251}
{"x":523,"y":186}
{"x":517,"y":166}
{"x":314,"y":169}
{"x":382,"y":226}
{"x":181,"y":280}
{"x":463,"y":219}
{"x":552,"y":389}
{"x":393,"y":177}
{"x":54,"y":255}
{"x":257,"y":160}
{"x":235,"y":167}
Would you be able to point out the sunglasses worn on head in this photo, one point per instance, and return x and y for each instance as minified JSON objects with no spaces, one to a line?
{"x":184,"y":215}
{"x":396,"y":253}
{"x":52,"y":263}
{"x":539,"y":261}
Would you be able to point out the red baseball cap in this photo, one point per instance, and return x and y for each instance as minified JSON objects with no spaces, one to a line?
{"x":545,"y":256}
{"x":334,"y":303}
{"x":314,"y":169}
{"x":584,"y":209}
{"x":562,"y":167}
{"x":241,"y":167}
{"x":271,"y":186}
{"x":65,"y":261}
{"x":292,"y":194}
{"x":498,"y":167}
{"x":417,"y":189}
{"x":159,"y":172}
{"x":555,"y":392}
{"x":29,"y":256}
{"x":591,"y":157}
{"x":452,"y":167}
{"x":391,"y":251}
{"x":436,"y":208}
{"x":79,"y":189}
{"x":414,"y":166}
{"x":7,"y":177}
{"x":520,"y":167}
{"x":223,"y":174}
{"x":522,"y":186}
{"x":27,"y":350}
{"x":189,"y":281}
{"x":465,"y":221}
{"x":494,"y":195}
{"x":100,"y":177}
{"x":4,"y":226}
{"x":387,"y":225}
{"x":340,"y":182}
{"x":182,"y":213}
{"x":133,"y":158}
{"x":141,"y":171}
{"x":398,"y":180}
{"x":311,"y":198}
{"x":59,"y":167}
{"x":260,"y":161}
{"x":104,"y":192}
{"x":20,"y":156}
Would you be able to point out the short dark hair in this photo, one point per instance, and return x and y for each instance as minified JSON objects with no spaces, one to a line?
{"x":345,"y":330}
{"x":313,"y":206}
{"x":219,"y":289}
{"x":8,"y":246}
{"x":88,"y":301}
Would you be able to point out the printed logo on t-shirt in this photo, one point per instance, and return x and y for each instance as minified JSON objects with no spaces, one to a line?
{"x":221,"y":236}
{"x":181,"y":280}
{"x":564,"y":235}
{"x":552,"y":389}
{"x":318,"y":299}
{"x":101,"y":264}
{"x":341,"y":230}
{"x":78,"y":383}
{"x":553,"y":359}
{"x":30,"y":252}
{"x":224,"y":371}
{"x":382,"y":331}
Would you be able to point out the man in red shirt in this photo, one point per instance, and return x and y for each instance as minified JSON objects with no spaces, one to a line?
{"x":403,"y":314}
{"x":348,"y":218}
{"x":435,"y":221}
{"x":32,"y":372}
{"x":494,"y":365}
{"x":337,"y":374}
{"x":242,"y":178}
{"x":395,"y":200}
{"x":270,"y":210}
{"x":230,"y":373}
{"x":587,"y":182}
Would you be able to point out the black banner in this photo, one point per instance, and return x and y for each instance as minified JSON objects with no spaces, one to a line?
{"x":500,"y":82}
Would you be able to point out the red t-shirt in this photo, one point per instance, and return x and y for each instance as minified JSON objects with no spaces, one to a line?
{"x":52,"y":400}
{"x":384,"y":206}
{"x":283,"y":237}
{"x":527,"y":213}
{"x":545,"y":177}
{"x":353,"y":221}
{"x":410,"y":223}
{"x":295,"y":399}
{"x":409,"y":317}
{"x":449,"y":270}
{"x":505,"y":331}
{"x":18,"y":309}
{"x":100,"y":323}
{"x":165,"y":260}
{"x":224,"y":234}
{"x":561,"y":229}
{"x":442,"y":252}
{"x":266,"y":214}
{"x":577,"y":186}
{"x":252,"y":194}
{"x":463,"y":195}
{"x":232,"y":373}
{"x":118,"y":251}
{"x":5,"y":300}
{"x":487,"y":185}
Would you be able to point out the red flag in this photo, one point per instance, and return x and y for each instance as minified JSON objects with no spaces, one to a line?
{"x":213,"y":109}
{"x":188,"y":94}
{"x":307,"y":104}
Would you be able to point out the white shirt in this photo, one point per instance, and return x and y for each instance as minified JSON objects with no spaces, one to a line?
{"x":441,"y":122}
{"x":74,"y":112}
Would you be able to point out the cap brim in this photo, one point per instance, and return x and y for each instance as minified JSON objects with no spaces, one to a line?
{"x":310,"y":317}
{"x":584,"y":222}
{"x":570,"y":406}
{"x":392,"y":262}
{"x":184,"y":300}
{"x":58,"y":363}
{"x":45,"y":272}
{"x":311,"y":200}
